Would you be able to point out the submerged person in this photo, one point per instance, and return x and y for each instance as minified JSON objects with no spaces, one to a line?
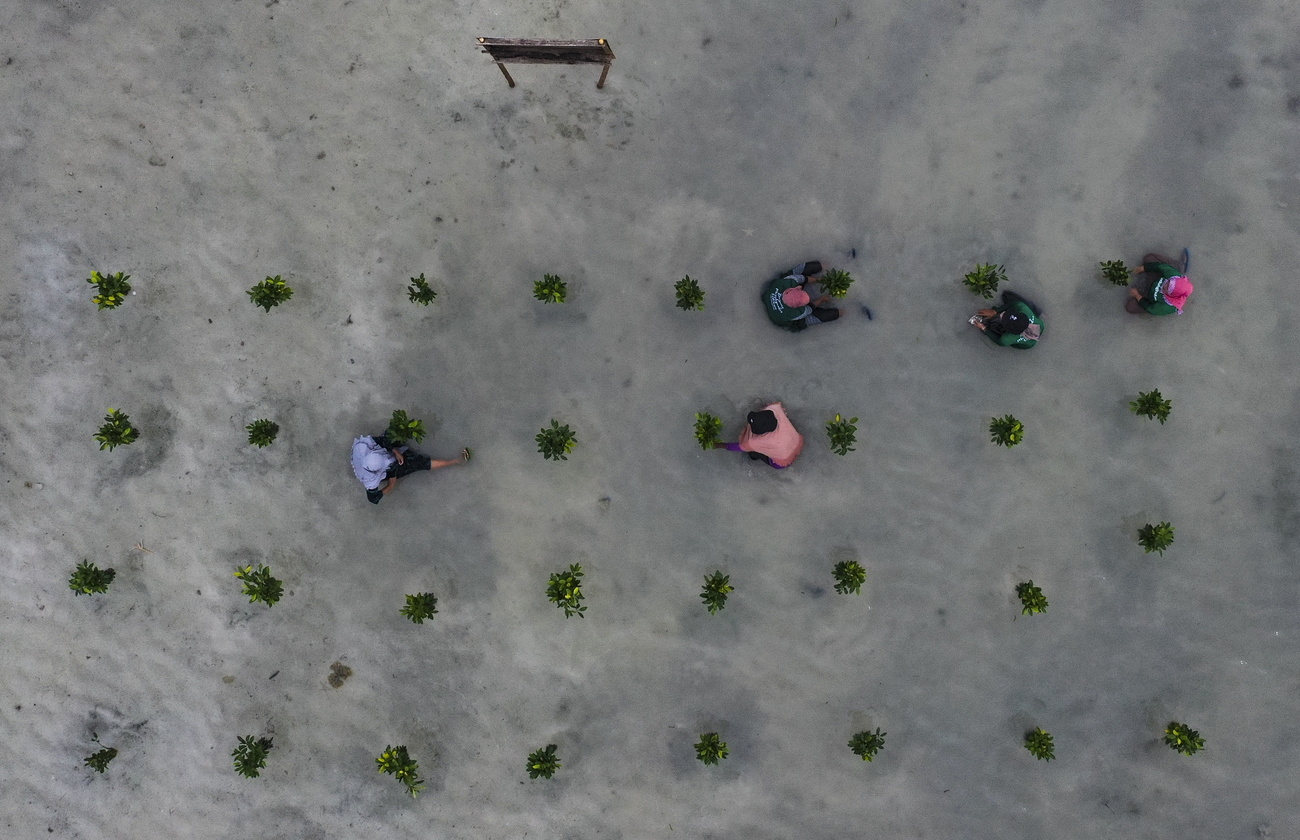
{"x":1016,"y":323}
{"x":768,"y":436}
{"x":788,"y":303}
{"x":378,"y":464}
{"x":1159,"y":288}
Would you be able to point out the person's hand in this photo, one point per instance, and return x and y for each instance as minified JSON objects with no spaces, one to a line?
{"x":823,"y":299}
{"x":401,"y":459}
{"x":987,"y":313}
{"x":1134,"y":293}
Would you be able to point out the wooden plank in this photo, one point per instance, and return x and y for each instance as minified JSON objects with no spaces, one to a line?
{"x":548,"y":51}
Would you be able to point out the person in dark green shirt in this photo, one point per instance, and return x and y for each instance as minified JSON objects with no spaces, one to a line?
{"x":1159,"y":288}
{"x":1016,"y":323}
{"x":789,"y":305}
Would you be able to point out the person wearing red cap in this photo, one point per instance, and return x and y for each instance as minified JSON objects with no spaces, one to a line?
{"x":768,"y":436}
{"x":1164,"y":289}
{"x":788,"y":303}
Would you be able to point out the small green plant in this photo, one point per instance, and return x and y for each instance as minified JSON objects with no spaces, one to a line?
{"x":550,"y":289}
{"x":708,"y":430}
{"x":1115,"y":271}
{"x":89,"y":579}
{"x":112,"y":289}
{"x":99,"y":761}
{"x":1006,"y":431}
{"x":270,"y":292}
{"x":543,"y":763}
{"x":565,"y":591}
{"x":262,"y":432}
{"x":402,"y":429}
{"x":116,"y":431}
{"x":1032,"y":599}
{"x":419,"y":291}
{"x":556,"y":442}
{"x":716,"y":588}
{"x":849,"y":577}
{"x":1039,"y":744}
{"x":867,"y":744}
{"x":420,"y":606}
{"x":396,"y":761}
{"x":835,"y":282}
{"x":1152,"y":405}
{"x":250,"y":756}
{"x":983,"y":280}
{"x":843,"y":434}
{"x":1156,"y":537}
{"x":259,"y":585}
{"x":689,"y":294}
{"x":1183,"y":739}
{"x":710,"y":749}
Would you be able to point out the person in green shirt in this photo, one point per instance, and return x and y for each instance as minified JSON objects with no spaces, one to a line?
{"x":1016,"y":323}
{"x":1159,"y":288}
{"x":789,"y":305}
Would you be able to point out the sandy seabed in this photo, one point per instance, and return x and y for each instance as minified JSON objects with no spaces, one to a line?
{"x":348,"y":145}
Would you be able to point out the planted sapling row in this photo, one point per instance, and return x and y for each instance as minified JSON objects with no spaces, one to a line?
{"x":1114,"y":271}
{"x":250,"y":756}
{"x":1181,"y":738}
{"x":402,"y":429}
{"x":99,"y":761}
{"x":259,"y":585}
{"x":270,"y":292}
{"x":866,"y":744}
{"x":843,"y":434}
{"x":1156,"y":537}
{"x":565,"y":591}
{"x":708,"y":430}
{"x":835,"y":282}
{"x":983,"y":280}
{"x":111,"y":289}
{"x":716,"y":588}
{"x":1039,"y":744}
{"x":1006,"y":431}
{"x":710,"y":749}
{"x":262,"y":432}
{"x":550,"y":289}
{"x":543,"y":763}
{"x":1152,"y":405}
{"x":419,"y":292}
{"x":420,"y":606}
{"x":89,"y":579}
{"x":1032,"y":599}
{"x":689,"y":294}
{"x":556,"y":442}
{"x":116,"y":431}
{"x":396,"y":761}
{"x":849,"y":577}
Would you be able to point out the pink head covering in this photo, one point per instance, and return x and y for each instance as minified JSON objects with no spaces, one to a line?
{"x":795,"y":296}
{"x":1176,"y":291}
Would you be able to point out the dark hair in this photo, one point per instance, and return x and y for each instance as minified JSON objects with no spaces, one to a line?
{"x":762,"y":422}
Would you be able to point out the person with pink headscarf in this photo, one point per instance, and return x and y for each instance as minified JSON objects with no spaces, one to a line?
{"x":1164,"y":289}
{"x":788,"y":303}
{"x":768,"y":436}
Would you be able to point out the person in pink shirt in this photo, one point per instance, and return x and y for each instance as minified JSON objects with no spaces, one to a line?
{"x":768,"y":436}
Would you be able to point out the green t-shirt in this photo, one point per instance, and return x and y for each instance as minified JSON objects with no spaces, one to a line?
{"x":781,"y":314}
{"x":1021,"y":342}
{"x":1154,"y":301}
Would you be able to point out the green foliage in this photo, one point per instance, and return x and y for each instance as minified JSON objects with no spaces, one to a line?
{"x":556,"y":442}
{"x":402,"y":429}
{"x":867,"y":744}
{"x":565,"y":591}
{"x":716,"y":588}
{"x":1156,"y":537}
{"x":849,"y":577}
{"x":396,"y":761}
{"x":543,"y":763}
{"x":1116,"y":272}
{"x":983,"y":280}
{"x":89,"y":579}
{"x":710,"y":749}
{"x":1006,"y":431}
{"x":1039,"y":744}
{"x":835,"y":282}
{"x":1183,"y":739}
{"x":116,"y":431}
{"x":259,"y":585}
{"x":419,"y":291}
{"x":250,"y":756}
{"x":99,"y":761}
{"x":708,"y":430}
{"x":1152,"y":405}
{"x":262,"y":432}
{"x":689,"y":294}
{"x":112,"y":289}
{"x":420,"y":606}
{"x":1032,"y":598}
{"x":550,"y":289}
{"x":843,"y":434}
{"x":270,"y":292}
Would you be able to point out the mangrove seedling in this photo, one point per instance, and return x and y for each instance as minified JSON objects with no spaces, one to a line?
{"x":565,"y":591}
{"x":420,"y":606}
{"x":259,"y":585}
{"x":710,"y":749}
{"x":556,"y":442}
{"x":99,"y":761}
{"x":550,"y":289}
{"x":112,"y":289}
{"x":89,"y":579}
{"x":708,"y":430}
{"x":250,"y":756}
{"x":689,"y":294}
{"x":843,"y":434}
{"x":849,"y":577}
{"x":835,"y":282}
{"x":270,"y":292}
{"x":402,"y":429}
{"x":1152,"y":405}
{"x":716,"y":588}
{"x":1039,"y":744}
{"x":867,"y":744}
{"x":1006,"y":431}
{"x":116,"y":431}
{"x":1032,"y":599}
{"x":1115,"y":271}
{"x":396,"y":761}
{"x":262,"y":432}
{"x":543,"y":763}
{"x":1156,"y":537}
{"x":983,"y":280}
{"x":1183,"y":739}
{"x":419,"y":291}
